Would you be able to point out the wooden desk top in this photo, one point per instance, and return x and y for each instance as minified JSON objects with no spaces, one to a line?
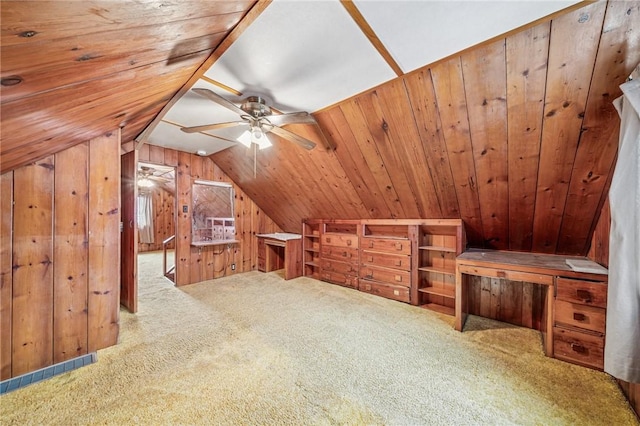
{"x":528,"y":262}
{"x":281,"y":236}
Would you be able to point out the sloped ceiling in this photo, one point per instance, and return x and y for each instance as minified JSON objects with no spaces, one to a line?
{"x":516,"y":136}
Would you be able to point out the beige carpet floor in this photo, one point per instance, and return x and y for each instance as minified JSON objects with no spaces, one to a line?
{"x":254,"y":349}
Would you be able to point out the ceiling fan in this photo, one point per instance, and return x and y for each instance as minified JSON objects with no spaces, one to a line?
{"x":260,"y":119}
{"x":147,"y":175}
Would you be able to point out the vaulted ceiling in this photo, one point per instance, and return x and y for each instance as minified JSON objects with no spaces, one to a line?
{"x":516,"y":135}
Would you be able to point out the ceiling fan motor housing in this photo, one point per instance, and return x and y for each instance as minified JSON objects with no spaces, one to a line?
{"x":256,"y":106}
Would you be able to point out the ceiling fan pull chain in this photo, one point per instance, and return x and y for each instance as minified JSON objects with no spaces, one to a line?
{"x":255,"y":158}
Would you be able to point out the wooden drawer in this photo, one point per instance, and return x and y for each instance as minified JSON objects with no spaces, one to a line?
{"x":340,"y":240}
{"x":396,"y":261}
{"x":329,"y":265}
{"x":397,"y":277}
{"x":340,"y":253}
{"x":346,"y":280}
{"x":584,"y":292}
{"x":578,"y":348}
{"x":581,"y":316}
{"x":387,"y":245}
{"x":389,"y":291}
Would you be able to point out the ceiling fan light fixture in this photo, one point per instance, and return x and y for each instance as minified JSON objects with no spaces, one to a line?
{"x":245,"y":138}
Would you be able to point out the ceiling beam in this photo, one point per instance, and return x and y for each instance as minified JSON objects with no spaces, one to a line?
{"x":244,"y":23}
{"x":371,"y":35}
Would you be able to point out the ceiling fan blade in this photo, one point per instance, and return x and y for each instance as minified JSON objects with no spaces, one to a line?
{"x":195,"y":129}
{"x":219,"y":100}
{"x":303,"y":142}
{"x":301,"y":117}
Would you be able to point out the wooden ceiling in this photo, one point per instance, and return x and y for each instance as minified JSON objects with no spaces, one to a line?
{"x":517,"y":137}
{"x":73,"y":70}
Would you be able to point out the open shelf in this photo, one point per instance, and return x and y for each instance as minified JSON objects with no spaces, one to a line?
{"x":438,"y":248}
{"x":436,"y":269}
{"x":447,"y":310}
{"x":438,"y":291}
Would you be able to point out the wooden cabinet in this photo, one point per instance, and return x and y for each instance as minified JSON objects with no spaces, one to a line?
{"x":579,"y":321}
{"x":409,"y":260}
{"x":339,"y":253}
{"x":385,"y":259}
{"x":439,"y":242}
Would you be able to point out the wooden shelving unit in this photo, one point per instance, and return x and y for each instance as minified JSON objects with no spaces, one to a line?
{"x":439,"y":243}
{"x":311,"y":233}
{"x":409,"y":260}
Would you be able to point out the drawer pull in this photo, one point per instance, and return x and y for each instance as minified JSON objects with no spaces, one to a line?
{"x":398,"y":246}
{"x":328,"y":239}
{"x":348,"y":242}
{"x":579,"y":317}
{"x":398,"y":262}
{"x":578,"y":348}
{"x":584,"y":295}
{"x":398,"y":278}
{"x":370,"y":244}
{"x":370,"y":258}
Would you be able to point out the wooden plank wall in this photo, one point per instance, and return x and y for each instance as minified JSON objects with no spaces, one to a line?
{"x":164,"y":212}
{"x":515,"y":136}
{"x":195,"y":264}
{"x":60,"y":248}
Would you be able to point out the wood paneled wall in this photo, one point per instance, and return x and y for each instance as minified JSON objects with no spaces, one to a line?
{"x":195,"y":264}
{"x":164,"y":211}
{"x":517,"y":137}
{"x":60,"y":248}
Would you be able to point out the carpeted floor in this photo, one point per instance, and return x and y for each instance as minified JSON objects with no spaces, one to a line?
{"x":255,"y":349}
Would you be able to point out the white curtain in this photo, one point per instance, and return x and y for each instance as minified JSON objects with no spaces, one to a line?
{"x":622,"y":348}
{"x":145,"y":218}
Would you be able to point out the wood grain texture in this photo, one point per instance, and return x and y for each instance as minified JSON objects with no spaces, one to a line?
{"x":32,"y":322}
{"x":183,"y":225}
{"x":451,"y":98}
{"x":568,"y":79}
{"x":104,"y":241}
{"x":485,"y":87}
{"x":618,"y":54}
{"x":129,"y":234}
{"x":526,"y":76}
{"x":425,"y":111}
{"x":70,"y":253}
{"x":6,"y":274}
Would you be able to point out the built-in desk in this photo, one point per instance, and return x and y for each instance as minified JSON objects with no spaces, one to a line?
{"x":280,"y":250}
{"x":572,"y":302}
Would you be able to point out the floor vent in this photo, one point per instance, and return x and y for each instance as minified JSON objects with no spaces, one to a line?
{"x":46,"y":373}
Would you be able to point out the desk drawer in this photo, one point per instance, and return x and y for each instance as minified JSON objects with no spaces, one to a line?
{"x":340,"y":240}
{"x":341,"y":267}
{"x":388,"y":291}
{"x":581,"y":316}
{"x":397,"y":277}
{"x":340,"y":253}
{"x":387,"y":245}
{"x":395,"y":261}
{"x":578,"y":348}
{"x":345,"y":280}
{"x":584,"y":292}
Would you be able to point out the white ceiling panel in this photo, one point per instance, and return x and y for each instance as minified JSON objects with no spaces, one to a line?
{"x":170,"y":136}
{"x":417,"y":33}
{"x":303,"y":56}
